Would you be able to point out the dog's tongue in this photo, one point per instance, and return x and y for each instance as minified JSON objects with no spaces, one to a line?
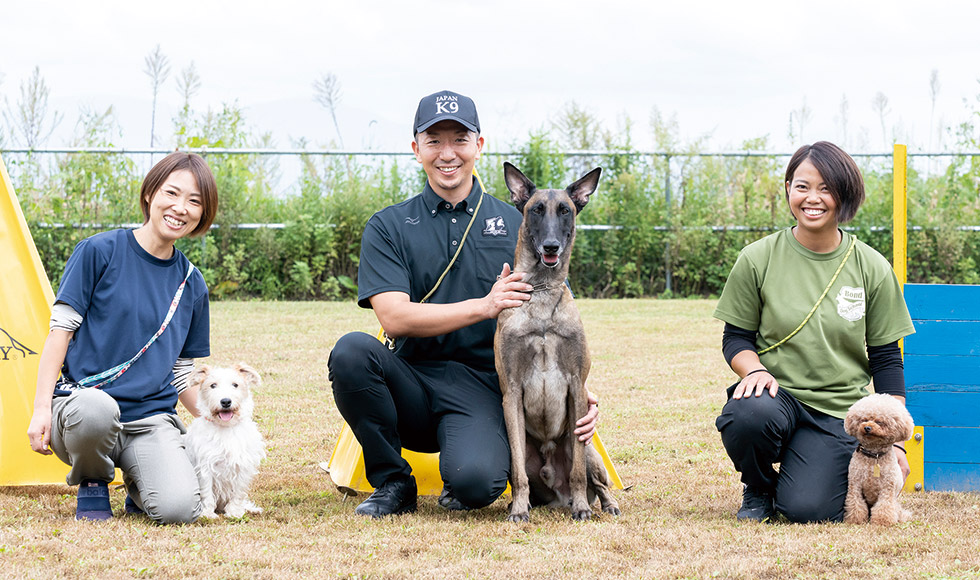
{"x":549,"y":258}
{"x":225,"y":415}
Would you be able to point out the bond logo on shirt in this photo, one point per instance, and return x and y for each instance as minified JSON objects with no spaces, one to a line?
{"x":850,"y":303}
{"x":494,"y":226}
{"x":11,"y":348}
{"x":412,"y":221}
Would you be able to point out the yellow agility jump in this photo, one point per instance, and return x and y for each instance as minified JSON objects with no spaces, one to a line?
{"x":346,"y":465}
{"x":25,"y":308}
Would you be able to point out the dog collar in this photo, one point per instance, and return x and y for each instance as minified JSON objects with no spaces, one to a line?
{"x":871,"y":454}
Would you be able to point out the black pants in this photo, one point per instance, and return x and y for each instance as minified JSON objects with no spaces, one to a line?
{"x":812,"y":450}
{"x":441,"y":406}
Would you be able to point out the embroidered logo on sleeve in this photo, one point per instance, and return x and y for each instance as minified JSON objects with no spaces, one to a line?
{"x":412,"y":221}
{"x":494,"y":226}
{"x":850,"y":303}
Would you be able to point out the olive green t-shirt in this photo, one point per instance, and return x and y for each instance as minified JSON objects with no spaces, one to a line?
{"x":772,"y":287}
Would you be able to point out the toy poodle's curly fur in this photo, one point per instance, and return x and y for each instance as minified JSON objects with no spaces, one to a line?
{"x":874,"y":478}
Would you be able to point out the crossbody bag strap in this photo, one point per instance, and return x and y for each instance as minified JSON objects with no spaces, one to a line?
{"x":382,"y":336}
{"x":106,"y":377}
{"x":850,"y":250}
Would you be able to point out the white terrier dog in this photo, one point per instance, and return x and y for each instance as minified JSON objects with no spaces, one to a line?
{"x":224,"y":442}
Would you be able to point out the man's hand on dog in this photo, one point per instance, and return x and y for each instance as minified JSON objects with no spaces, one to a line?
{"x":509,"y":291}
{"x":585,"y":427}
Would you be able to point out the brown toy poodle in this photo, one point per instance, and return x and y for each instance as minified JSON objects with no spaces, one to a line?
{"x":874,"y":478}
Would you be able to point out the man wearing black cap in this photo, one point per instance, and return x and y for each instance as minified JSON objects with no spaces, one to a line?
{"x":428,"y":268}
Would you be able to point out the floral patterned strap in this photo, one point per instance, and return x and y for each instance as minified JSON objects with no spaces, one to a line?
{"x":104,"y":378}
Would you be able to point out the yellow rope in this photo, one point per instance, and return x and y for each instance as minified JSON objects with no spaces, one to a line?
{"x":381,"y":333}
{"x":850,"y":250}
{"x":465,"y":233}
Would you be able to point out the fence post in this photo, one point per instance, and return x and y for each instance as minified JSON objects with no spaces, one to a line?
{"x":668,"y":285}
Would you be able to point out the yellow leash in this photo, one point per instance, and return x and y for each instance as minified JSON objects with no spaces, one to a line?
{"x":483,"y":190}
{"x":850,"y":250}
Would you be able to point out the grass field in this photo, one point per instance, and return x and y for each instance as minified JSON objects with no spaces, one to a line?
{"x":658,"y":370}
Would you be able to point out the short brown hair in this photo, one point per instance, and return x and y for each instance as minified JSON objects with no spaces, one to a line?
{"x":839,"y":172}
{"x":180,"y":161}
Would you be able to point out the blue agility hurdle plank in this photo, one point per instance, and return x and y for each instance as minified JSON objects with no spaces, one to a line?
{"x":943,"y":301}
{"x":951,"y":476}
{"x":942,"y":370}
{"x":952,"y":445}
{"x":944,"y":337}
{"x":945,"y":409}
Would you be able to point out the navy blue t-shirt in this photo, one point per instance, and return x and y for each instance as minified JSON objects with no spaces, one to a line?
{"x":407,"y":246}
{"x":123,"y":294}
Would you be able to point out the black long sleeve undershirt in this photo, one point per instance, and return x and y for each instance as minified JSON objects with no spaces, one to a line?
{"x":885,"y":361}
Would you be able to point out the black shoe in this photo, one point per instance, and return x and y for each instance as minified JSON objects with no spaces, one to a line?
{"x":394,"y":497}
{"x":448,"y":501}
{"x":756,"y":505}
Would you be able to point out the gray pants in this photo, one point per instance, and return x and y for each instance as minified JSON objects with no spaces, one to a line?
{"x":87,"y":435}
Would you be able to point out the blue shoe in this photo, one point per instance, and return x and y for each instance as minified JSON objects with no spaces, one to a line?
{"x":93,"y":500}
{"x":131,"y":507}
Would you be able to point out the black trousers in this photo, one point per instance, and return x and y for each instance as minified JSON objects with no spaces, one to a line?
{"x":440,"y":406}
{"x":811,"y":447}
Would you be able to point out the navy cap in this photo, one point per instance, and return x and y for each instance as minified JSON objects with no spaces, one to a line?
{"x":445,"y":105}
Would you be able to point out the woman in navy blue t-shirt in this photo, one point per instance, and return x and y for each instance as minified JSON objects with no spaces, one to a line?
{"x":124,"y":351}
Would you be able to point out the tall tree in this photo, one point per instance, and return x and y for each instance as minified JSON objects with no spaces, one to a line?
{"x":188,"y":84}
{"x":157,"y":67}
{"x":801,"y":117}
{"x":842,"y":118}
{"x":28,"y":119}
{"x":880,"y":105}
{"x":933,"y":96}
{"x":326,"y":92}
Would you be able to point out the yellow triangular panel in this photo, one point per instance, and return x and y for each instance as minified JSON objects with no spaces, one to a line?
{"x":25,"y":307}
{"x":346,"y":466}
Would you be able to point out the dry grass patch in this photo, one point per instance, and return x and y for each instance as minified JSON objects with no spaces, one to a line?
{"x":658,"y":370}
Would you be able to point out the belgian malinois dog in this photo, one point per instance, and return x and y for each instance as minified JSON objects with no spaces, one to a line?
{"x":543,"y":360}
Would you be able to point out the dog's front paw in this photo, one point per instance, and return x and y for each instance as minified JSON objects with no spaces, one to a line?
{"x":612,"y":509}
{"x":582,"y":515}
{"x":519,"y":518}
{"x":234,"y":512}
{"x":252,"y":508}
{"x":209,"y":515}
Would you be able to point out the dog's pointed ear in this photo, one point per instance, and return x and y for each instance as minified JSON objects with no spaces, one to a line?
{"x":251,"y":375}
{"x":521,"y":188}
{"x":198,"y":375}
{"x":583,"y":188}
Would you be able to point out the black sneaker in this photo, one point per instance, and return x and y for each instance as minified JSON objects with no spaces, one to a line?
{"x":756,"y":505}
{"x":448,"y":501}
{"x":394,"y":497}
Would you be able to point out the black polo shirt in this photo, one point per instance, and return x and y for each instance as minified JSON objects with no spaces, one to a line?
{"x":407,"y":246}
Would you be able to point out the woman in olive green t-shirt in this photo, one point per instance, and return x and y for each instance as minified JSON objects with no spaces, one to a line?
{"x":789,"y":404}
